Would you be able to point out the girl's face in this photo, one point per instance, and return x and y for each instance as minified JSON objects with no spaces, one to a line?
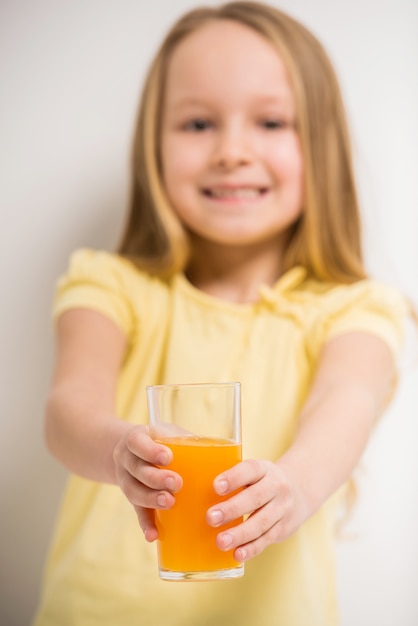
{"x":231,"y":157}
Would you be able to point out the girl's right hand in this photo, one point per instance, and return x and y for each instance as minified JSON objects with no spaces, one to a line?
{"x":147,"y":487}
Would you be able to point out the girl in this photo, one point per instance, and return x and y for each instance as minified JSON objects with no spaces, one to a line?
{"x":241,"y":260}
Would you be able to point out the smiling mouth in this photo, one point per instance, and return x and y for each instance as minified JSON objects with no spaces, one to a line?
{"x":239,"y":193}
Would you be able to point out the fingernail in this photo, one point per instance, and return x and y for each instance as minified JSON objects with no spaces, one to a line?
{"x":149,"y":534}
{"x":226,"y":541}
{"x":221,"y":486}
{"x":162,"y":500}
{"x":163,"y":458}
{"x":216,"y":517}
{"x":170,"y":484}
{"x":242,"y":554}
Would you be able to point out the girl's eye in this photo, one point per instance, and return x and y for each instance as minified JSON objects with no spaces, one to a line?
{"x":273,"y":124}
{"x":198,"y":125}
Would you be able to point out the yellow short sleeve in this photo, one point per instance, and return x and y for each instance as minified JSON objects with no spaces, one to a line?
{"x":95,"y":280}
{"x":367,"y":306}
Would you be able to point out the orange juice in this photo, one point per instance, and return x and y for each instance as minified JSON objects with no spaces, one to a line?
{"x":186,"y":541}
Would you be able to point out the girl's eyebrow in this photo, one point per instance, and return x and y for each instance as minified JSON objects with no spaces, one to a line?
{"x":267,"y":99}
{"x":189,"y":101}
{"x":277,"y":98}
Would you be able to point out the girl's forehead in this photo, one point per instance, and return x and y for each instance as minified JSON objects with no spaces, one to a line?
{"x":227,"y":58}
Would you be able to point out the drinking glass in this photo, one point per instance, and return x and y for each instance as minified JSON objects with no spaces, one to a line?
{"x":201,"y":424}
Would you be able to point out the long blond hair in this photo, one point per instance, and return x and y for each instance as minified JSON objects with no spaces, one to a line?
{"x":326,"y":240}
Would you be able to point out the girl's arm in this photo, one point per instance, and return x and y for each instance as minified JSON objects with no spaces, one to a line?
{"x":81,"y":427}
{"x":354,"y":378}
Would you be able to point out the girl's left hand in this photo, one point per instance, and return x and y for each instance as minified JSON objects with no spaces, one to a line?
{"x":274,"y":505}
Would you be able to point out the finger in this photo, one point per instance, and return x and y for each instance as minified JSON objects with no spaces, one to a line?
{"x":142,"y":496}
{"x":236,"y":507}
{"x":246,"y":501}
{"x":141,"y":445}
{"x":151,"y":476}
{"x":251,"y":537}
{"x":146,"y":519}
{"x":248,"y":551}
{"x":241,"y":475}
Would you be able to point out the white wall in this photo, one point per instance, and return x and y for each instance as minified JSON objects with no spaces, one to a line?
{"x":70,"y":77}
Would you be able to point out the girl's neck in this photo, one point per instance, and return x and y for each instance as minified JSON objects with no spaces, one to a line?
{"x":234,"y":274}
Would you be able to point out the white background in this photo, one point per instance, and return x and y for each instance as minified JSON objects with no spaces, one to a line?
{"x":71,"y":72}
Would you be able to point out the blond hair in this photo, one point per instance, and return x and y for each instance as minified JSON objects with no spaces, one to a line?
{"x":326,"y":240}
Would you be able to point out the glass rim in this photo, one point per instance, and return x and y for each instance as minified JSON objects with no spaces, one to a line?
{"x":193,"y":385}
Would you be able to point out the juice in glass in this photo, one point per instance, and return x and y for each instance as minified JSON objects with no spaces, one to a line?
{"x":186,"y":541}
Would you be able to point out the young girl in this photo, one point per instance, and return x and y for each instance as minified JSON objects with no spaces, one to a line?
{"x":241,"y":260}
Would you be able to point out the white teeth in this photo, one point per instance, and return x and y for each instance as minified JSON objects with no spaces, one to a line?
{"x":235,"y":193}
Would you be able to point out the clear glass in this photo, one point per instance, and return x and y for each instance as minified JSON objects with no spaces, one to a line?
{"x":201,"y":423}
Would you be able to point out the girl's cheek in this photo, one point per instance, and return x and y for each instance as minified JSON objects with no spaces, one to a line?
{"x":287,"y":160}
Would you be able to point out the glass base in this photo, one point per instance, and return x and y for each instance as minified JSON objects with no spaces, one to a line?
{"x":222,"y":574}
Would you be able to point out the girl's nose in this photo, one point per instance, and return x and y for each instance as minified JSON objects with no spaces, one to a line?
{"x":231,"y":150}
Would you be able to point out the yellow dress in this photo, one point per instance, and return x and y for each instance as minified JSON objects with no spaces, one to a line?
{"x":101,"y":571}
